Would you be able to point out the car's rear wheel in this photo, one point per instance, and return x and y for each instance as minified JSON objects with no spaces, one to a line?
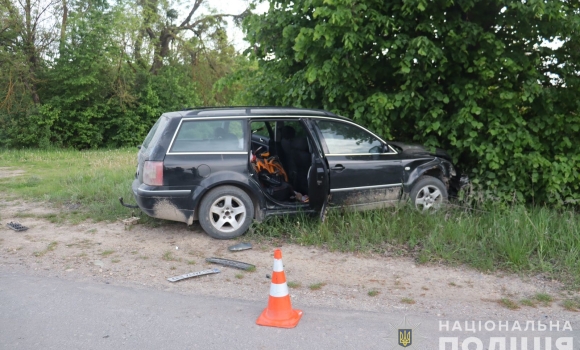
{"x":226,"y":212}
{"x":428,"y":194}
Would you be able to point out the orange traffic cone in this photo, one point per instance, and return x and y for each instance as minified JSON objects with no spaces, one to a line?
{"x":279,"y":312}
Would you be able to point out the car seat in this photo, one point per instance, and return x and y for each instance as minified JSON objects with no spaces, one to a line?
{"x":296,"y":159}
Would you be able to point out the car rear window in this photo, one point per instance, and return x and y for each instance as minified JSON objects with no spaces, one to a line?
{"x":210,"y":136}
{"x":159,"y":125}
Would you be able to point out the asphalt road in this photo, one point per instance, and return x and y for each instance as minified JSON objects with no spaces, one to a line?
{"x":52,"y":313}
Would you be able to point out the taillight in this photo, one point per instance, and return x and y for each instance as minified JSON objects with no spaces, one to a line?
{"x":153,"y":173}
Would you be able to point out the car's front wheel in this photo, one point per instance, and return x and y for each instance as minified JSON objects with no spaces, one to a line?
{"x":428,"y":194}
{"x":226,"y":212}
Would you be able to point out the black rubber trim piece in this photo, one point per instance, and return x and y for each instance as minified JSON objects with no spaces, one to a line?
{"x":16,"y":226}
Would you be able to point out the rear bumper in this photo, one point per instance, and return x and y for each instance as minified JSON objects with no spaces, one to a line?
{"x":163,"y":203}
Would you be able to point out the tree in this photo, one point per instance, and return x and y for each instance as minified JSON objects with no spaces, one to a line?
{"x":476,"y":77}
{"x":82,"y":77}
{"x":160,"y":28}
{"x":88,"y":73}
{"x":25,"y":35}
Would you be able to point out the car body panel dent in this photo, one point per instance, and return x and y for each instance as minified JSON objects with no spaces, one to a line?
{"x":418,"y":167}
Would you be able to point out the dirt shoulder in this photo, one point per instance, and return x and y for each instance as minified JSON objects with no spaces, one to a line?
{"x":143,"y":256}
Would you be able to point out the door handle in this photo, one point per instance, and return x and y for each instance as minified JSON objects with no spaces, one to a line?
{"x":338,"y":167}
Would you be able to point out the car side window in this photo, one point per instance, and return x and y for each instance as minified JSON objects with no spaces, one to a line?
{"x":210,"y":136}
{"x":260,"y":129}
{"x":344,"y":138}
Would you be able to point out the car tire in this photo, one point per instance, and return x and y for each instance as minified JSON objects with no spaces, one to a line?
{"x":226,"y":212}
{"x":428,"y":194}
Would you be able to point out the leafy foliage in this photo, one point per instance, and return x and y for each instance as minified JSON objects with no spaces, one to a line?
{"x":494,"y":82}
{"x":117,"y":67}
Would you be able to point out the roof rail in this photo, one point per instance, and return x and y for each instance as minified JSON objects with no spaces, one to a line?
{"x":249,"y":110}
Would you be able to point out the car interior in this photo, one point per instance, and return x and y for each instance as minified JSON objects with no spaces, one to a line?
{"x":287,"y":143}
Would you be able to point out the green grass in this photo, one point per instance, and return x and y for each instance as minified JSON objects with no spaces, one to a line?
{"x":544,"y":299}
{"x":86,"y":184}
{"x":571,"y":304}
{"x":317,"y":286}
{"x":528,"y":302}
{"x":168,"y":256}
{"x":511,"y":237}
{"x":107,"y":252}
{"x":373,"y":293}
{"x":408,"y":301}
{"x":49,"y":248}
{"x":292,"y":284}
{"x":508,"y":303}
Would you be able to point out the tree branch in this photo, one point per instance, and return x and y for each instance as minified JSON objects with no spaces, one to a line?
{"x":150,"y":33}
{"x":196,"y":6}
{"x":205,"y":19}
{"x":39,"y":14}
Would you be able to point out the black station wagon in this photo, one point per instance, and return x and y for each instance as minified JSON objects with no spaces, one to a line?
{"x":228,"y":166}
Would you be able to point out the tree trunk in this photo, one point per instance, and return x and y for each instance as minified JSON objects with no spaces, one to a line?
{"x":161,"y":50}
{"x":30,"y":52}
{"x":63,"y":25}
{"x":137,"y":47}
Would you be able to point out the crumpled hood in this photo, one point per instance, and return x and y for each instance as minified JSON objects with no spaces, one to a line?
{"x":420,"y":150}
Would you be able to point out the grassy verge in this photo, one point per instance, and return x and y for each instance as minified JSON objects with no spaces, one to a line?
{"x":85,"y":183}
{"x":518,"y":239}
{"x":515,"y":238}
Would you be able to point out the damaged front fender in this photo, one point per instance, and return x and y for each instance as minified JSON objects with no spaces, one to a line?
{"x":437,"y":167}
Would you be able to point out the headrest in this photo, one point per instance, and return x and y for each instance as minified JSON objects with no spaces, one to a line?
{"x":288,"y":132}
{"x":300,"y":144}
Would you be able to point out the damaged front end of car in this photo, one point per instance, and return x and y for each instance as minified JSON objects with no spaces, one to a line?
{"x":440,"y":165}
